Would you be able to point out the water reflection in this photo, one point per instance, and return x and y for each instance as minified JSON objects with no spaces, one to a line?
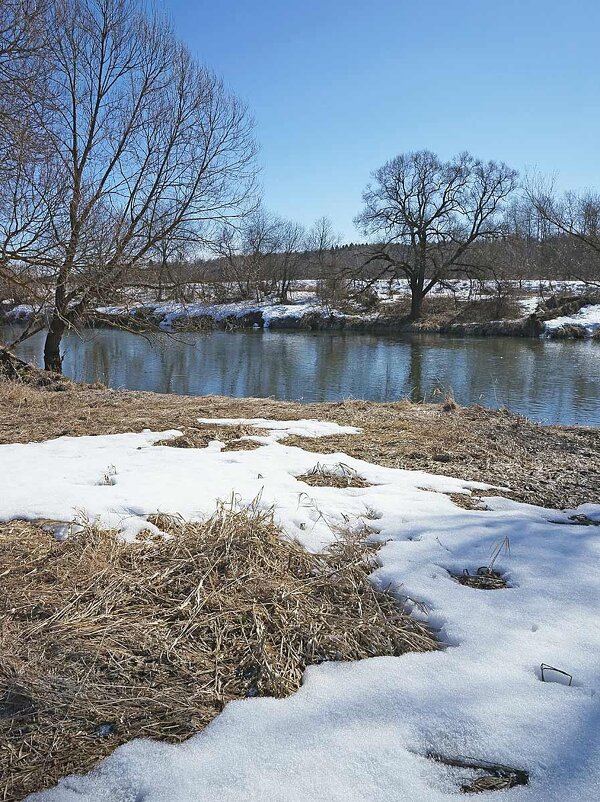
{"x":551,"y":381}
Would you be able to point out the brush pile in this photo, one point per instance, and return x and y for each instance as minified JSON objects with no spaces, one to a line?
{"x":103,"y":641}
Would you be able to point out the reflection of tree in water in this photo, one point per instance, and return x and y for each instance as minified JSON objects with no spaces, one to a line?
{"x":416,"y":390}
{"x":547,"y":380}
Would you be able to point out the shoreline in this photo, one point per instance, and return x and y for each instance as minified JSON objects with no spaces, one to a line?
{"x":551,"y":466}
{"x":571,"y":318}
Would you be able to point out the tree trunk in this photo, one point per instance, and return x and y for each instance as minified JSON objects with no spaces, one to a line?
{"x":52,"y":356}
{"x":416,"y":303}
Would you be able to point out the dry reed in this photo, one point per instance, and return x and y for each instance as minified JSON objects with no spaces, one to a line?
{"x":104,"y":641}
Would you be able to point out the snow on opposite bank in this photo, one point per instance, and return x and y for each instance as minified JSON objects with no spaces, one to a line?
{"x":361,"y":731}
{"x":168,"y":314}
{"x":588,"y":318}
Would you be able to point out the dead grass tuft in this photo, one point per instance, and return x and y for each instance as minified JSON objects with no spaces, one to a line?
{"x":242,"y":445}
{"x":336,"y":475}
{"x":103,"y":641}
{"x":200,"y":436}
{"x":484,"y":579}
{"x":468,"y":501}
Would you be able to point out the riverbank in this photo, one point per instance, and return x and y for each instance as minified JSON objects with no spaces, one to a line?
{"x":335,"y":552}
{"x":575,"y":316}
{"x":553,"y":466}
{"x":564,"y":318}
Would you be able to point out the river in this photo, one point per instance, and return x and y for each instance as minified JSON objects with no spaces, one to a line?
{"x":547,"y":380}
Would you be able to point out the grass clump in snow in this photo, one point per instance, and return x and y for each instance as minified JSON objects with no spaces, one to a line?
{"x":336,"y":475}
{"x":483,"y":579}
{"x":104,"y":641}
{"x":201,"y":436}
{"x":486,"y":577}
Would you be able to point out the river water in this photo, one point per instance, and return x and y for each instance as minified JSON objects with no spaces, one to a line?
{"x":548,"y":380}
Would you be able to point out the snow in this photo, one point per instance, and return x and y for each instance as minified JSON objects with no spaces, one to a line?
{"x":304,"y":300}
{"x":588,"y":317}
{"x":20,"y":313}
{"x":359,"y":731}
{"x":282,"y":428}
{"x":170,"y":312}
{"x":529,"y":293}
{"x":529,"y":305}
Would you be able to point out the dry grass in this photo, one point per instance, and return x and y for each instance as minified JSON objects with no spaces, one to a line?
{"x":102,"y":641}
{"x":335,"y":475}
{"x":201,"y":435}
{"x":484,"y":776}
{"x":241,"y":445}
{"x":470,"y":501}
{"x":551,"y":466}
{"x":483,"y":579}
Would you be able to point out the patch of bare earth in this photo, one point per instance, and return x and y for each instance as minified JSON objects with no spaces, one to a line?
{"x":548,"y":465}
{"x":103,"y":641}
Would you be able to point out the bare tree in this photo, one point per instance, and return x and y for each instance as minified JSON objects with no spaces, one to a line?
{"x":262,"y":256}
{"x":23,"y":32}
{"x":247,"y":251}
{"x":171,"y":253}
{"x":575,"y":218}
{"x":291,"y":255}
{"x":146,"y":142}
{"x":427,"y":214}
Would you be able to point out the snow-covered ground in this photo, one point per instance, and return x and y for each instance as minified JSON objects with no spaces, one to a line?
{"x":304,"y":300}
{"x":170,"y":312}
{"x":21,"y":313}
{"x":359,"y":731}
{"x":587,"y":318}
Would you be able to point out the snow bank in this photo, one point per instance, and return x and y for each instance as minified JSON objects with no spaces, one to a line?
{"x":360,"y":731}
{"x":588,"y":318}
{"x":168,"y":314}
{"x":21,"y":313}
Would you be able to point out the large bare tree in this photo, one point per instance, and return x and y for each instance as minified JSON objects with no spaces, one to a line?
{"x":146,"y":142}
{"x":426,"y":214}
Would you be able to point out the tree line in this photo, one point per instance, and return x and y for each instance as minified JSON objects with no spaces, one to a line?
{"x":126,"y":163}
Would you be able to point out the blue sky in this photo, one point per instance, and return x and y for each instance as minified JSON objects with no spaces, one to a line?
{"x":339,"y":86}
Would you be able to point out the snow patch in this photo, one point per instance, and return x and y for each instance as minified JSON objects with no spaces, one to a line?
{"x":358,"y":731}
{"x":282,"y":428}
{"x":588,"y":317}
